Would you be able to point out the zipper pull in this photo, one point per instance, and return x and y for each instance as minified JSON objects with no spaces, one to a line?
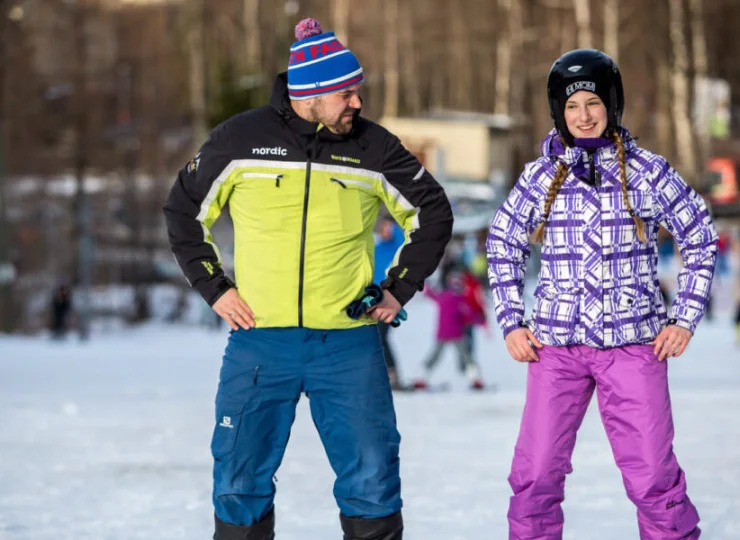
{"x":591,"y":175}
{"x":339,"y":182}
{"x":277,"y":180}
{"x":594,"y":178}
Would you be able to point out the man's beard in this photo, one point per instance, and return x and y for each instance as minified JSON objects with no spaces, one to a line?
{"x":341,"y":127}
{"x":337,"y":127}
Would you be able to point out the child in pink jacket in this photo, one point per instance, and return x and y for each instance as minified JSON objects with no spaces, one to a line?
{"x":455,"y":315}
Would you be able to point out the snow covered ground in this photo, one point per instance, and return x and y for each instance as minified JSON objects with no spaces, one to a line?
{"x":110,"y":440}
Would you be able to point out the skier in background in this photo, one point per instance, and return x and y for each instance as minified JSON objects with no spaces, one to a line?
{"x":61,"y":307}
{"x":473,"y":293}
{"x":454,"y":315}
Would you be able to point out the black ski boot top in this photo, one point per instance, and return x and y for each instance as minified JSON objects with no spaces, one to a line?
{"x":264,"y":530}
{"x":385,"y":528}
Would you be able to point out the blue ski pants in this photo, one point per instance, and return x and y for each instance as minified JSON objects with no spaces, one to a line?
{"x":344,"y":375}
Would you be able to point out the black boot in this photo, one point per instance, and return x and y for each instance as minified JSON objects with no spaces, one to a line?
{"x":385,"y":528}
{"x":264,"y":530}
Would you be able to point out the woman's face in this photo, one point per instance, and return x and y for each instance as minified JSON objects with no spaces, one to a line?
{"x":585,"y":115}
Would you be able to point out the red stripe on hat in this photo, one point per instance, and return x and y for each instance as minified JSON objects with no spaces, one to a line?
{"x":322,"y":89}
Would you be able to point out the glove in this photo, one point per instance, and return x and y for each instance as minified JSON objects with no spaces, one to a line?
{"x":372,"y":297}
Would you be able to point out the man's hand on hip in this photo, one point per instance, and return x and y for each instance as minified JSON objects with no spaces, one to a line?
{"x":234,"y":310}
{"x":386,"y":310}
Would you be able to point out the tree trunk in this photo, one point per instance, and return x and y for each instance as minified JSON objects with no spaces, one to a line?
{"x":252,"y":38}
{"x":340,"y":20}
{"x":611,"y":29}
{"x":460,"y":69}
{"x":8,"y":316}
{"x":196,"y":63}
{"x":518,"y":76}
{"x":699,"y":49}
{"x":583,"y":22}
{"x":664,"y":100}
{"x":81,"y":164}
{"x":680,"y":85}
{"x":565,"y":18}
{"x":504,"y":51}
{"x":390,"y":107}
{"x":409,"y":59}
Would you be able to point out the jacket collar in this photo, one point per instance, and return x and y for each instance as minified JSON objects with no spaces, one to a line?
{"x":552,"y":147}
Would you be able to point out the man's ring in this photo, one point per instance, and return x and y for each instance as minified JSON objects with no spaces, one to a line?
{"x":231,"y":315}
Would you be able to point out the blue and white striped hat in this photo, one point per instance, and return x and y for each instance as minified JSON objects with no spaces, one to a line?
{"x":319,"y":63}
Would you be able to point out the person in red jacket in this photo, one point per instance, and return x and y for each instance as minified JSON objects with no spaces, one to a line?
{"x":473,"y":293}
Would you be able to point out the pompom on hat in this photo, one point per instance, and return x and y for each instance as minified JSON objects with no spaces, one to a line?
{"x":319,"y":63}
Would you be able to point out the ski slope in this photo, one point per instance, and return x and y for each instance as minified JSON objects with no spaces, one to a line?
{"x":109,"y":440}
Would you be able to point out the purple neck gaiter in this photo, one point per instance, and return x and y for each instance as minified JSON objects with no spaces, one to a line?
{"x":589,"y":145}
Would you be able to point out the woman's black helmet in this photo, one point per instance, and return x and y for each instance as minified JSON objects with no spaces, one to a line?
{"x":585,"y":69}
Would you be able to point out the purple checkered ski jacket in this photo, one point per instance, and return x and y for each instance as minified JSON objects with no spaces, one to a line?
{"x":598,"y":283}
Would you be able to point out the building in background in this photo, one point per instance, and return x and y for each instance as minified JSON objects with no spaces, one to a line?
{"x":474,"y":155}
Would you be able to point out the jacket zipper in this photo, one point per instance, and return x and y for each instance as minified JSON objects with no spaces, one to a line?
{"x":311,"y":156}
{"x":593,"y":177}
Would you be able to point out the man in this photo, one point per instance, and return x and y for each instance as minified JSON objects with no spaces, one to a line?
{"x":304,"y":178}
{"x":390,"y":238}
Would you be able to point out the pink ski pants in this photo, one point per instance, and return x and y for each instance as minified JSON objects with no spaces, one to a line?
{"x":635,"y":407}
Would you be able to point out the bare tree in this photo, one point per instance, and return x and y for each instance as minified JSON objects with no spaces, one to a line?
{"x":7,"y":313}
{"x":193,"y":11}
{"x":701,"y":68}
{"x":611,"y":28}
{"x":340,"y":18}
{"x":518,"y":75}
{"x":85,"y":125}
{"x":252,"y":37}
{"x":583,"y":22}
{"x":459,"y":57}
{"x":390,"y":107}
{"x":680,"y":85}
{"x":504,"y":52}
{"x":409,"y":58}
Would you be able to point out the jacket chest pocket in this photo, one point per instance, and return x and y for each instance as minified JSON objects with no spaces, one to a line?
{"x":337,"y":206}
{"x":267,"y":201}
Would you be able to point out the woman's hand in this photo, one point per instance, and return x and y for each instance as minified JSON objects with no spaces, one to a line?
{"x":671,"y":341}
{"x":521,"y":344}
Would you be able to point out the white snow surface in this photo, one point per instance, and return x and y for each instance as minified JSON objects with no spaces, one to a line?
{"x":109,"y":440}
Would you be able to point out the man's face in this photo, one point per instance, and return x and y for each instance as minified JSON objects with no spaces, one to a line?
{"x":335,"y":111}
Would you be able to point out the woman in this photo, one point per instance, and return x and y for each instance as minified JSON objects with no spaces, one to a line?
{"x":595,"y":200}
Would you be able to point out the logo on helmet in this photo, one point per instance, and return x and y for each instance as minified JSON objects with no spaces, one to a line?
{"x":575,"y":69}
{"x":580,"y":85}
